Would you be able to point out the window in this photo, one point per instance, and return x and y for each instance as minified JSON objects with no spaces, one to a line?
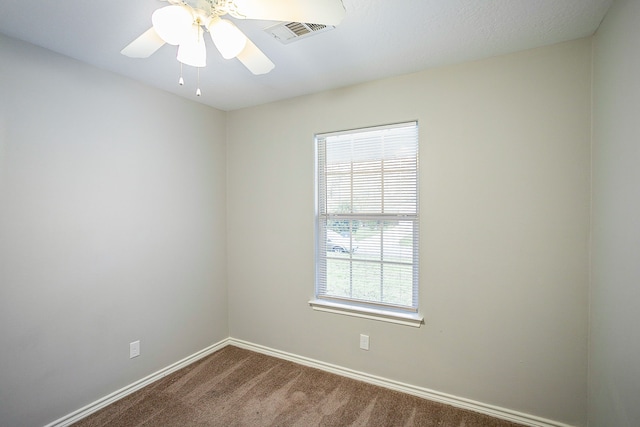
{"x":367,"y":223}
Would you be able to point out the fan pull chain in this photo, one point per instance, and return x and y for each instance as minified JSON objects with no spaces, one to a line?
{"x":181,"y":80}
{"x":198,"y":93}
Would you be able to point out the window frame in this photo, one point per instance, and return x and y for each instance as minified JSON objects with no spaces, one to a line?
{"x":399,"y":314}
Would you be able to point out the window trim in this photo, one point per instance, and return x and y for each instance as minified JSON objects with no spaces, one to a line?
{"x":352,"y":309}
{"x":369,"y":310}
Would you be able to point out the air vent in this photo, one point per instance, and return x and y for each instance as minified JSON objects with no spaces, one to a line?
{"x":288,"y":32}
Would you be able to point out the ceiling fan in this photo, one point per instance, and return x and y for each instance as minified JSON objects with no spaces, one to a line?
{"x":183,"y":22}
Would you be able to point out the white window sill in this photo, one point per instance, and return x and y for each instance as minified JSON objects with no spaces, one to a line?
{"x":407,"y":319}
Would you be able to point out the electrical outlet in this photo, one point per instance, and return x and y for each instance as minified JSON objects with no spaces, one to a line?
{"x":364,"y":342}
{"x":134,"y":349}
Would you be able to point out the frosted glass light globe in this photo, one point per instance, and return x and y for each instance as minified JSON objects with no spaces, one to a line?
{"x":229,"y":40}
{"x":192,"y":50}
{"x":172,"y":23}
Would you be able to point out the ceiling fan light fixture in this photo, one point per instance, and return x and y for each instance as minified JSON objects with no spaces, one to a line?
{"x":172,"y":23}
{"x":192,"y":51}
{"x":229,"y":40}
{"x":183,"y":23}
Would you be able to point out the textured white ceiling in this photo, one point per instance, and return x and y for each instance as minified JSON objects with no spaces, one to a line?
{"x":376,"y":39}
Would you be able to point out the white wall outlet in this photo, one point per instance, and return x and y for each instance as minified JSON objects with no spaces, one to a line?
{"x":134,"y":349}
{"x":364,"y":342}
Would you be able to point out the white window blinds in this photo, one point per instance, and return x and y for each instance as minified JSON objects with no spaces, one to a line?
{"x":367,"y":217}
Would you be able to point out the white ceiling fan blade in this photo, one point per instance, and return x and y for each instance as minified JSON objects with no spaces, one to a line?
{"x":144,"y":46}
{"x":327,"y":12}
{"x":253,"y":58}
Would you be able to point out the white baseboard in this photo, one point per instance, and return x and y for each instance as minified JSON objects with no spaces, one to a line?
{"x":425,"y":393}
{"x":125,"y":391}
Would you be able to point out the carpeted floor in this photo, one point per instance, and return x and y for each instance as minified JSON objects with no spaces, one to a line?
{"x":237,"y":387}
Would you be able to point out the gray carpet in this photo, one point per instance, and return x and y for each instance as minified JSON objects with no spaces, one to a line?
{"x":237,"y":387}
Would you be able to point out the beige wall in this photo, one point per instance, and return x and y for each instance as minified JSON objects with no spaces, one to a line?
{"x":112,"y":229}
{"x":505,"y":194}
{"x":614,"y":354}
